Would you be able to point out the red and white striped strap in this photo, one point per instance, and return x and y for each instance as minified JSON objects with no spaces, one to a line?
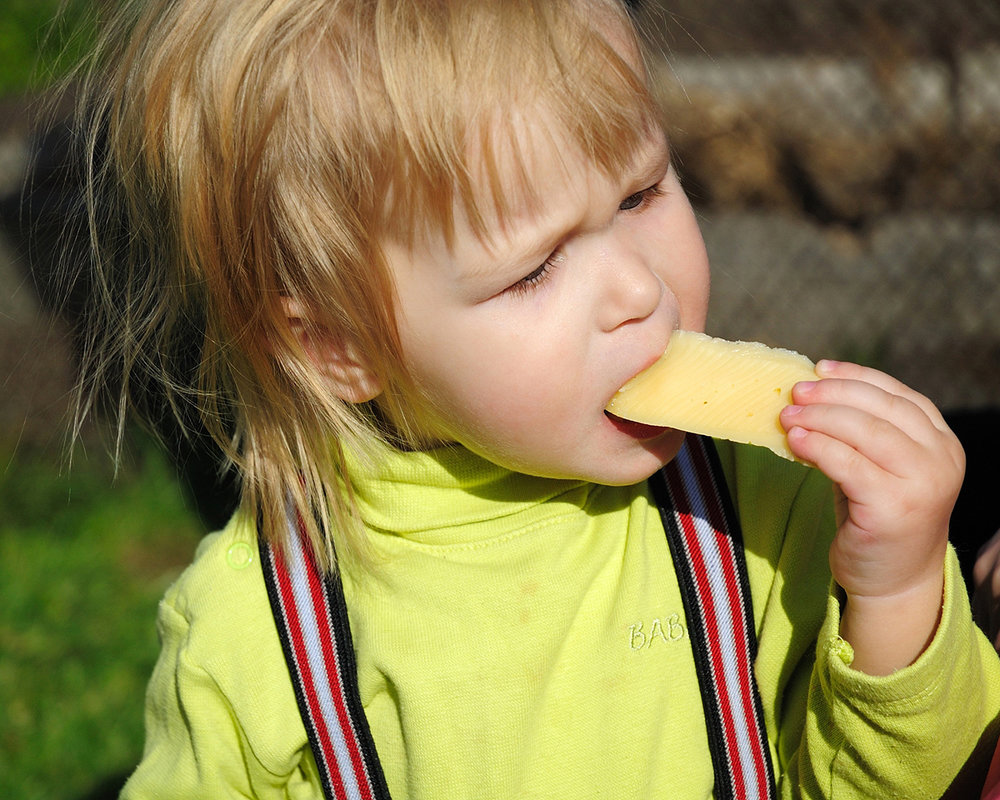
{"x":707,"y":548}
{"x":315,"y":634}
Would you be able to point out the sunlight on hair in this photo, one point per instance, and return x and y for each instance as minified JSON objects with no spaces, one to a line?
{"x":245,"y":151}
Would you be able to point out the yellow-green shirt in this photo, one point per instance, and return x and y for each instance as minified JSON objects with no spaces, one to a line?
{"x":520,"y":637}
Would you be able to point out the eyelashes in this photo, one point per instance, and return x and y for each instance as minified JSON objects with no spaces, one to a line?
{"x":537,"y":277}
{"x":641,"y":199}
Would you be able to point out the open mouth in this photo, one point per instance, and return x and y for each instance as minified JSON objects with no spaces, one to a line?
{"x":637,"y":430}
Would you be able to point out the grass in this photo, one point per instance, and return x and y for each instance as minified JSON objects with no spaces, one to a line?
{"x":83,"y":563}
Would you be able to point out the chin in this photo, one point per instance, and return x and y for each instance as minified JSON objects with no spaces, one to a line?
{"x":669,"y":446}
{"x":639,"y":467}
{"x":658,"y":454}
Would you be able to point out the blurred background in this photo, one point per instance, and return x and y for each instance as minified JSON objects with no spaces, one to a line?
{"x":843,"y":157}
{"x":84,"y":555}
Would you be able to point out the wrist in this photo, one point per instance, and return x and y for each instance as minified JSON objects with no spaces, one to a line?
{"x":889,"y":632}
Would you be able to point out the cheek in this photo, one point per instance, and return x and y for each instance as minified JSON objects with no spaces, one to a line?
{"x":685,"y":271}
{"x":524,"y":388}
{"x":516,"y":401}
{"x":694,"y":307}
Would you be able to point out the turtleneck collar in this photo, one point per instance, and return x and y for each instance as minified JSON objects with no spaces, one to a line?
{"x":449,"y":495}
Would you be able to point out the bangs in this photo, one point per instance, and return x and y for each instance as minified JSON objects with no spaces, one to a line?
{"x":462,"y":79}
{"x":261,"y":152}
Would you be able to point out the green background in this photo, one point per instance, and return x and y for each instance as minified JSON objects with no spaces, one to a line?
{"x":85,"y":555}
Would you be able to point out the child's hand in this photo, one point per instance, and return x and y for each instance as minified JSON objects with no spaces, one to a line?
{"x":899,"y":469}
{"x":986,"y":589}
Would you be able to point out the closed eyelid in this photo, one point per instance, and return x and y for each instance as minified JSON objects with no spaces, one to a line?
{"x":639,"y":200}
{"x":632,"y":201}
{"x":536,"y":277}
{"x":635,"y":202}
{"x":651,"y":182}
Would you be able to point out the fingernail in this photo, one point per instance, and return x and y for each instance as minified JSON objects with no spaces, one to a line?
{"x":796,"y":433}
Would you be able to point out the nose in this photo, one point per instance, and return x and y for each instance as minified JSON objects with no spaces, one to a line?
{"x":631,"y":290}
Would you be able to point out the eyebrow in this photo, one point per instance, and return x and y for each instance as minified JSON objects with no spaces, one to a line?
{"x":648,"y":168}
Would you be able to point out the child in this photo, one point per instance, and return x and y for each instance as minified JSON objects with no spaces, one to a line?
{"x":425,"y":243}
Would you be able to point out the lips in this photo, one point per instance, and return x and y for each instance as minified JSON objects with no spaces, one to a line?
{"x":636,"y":430}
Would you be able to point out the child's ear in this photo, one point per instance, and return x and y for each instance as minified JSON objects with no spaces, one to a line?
{"x":343,"y":366}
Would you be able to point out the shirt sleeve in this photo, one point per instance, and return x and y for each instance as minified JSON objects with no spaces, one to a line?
{"x":220,"y":723}
{"x":925,"y":731}
{"x":922,"y":732}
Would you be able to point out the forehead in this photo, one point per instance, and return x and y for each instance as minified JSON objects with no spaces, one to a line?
{"x":538,"y":169}
{"x":483,"y":148}
{"x":565,"y":196}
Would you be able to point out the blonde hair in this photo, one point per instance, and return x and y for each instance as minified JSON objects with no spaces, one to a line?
{"x":243,"y":152}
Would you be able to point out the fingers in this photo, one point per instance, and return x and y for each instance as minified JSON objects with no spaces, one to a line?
{"x":854,"y":444}
{"x":898,"y":468}
{"x":842,"y":439}
{"x":897,"y":464}
{"x":859,"y":417}
{"x":878,"y":394}
{"x":844,"y":370}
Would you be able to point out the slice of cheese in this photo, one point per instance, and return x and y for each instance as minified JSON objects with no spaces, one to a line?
{"x":728,"y":390}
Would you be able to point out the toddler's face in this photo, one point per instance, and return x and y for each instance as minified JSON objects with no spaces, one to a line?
{"x":520,"y":343}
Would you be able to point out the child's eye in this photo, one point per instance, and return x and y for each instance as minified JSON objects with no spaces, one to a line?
{"x":538,"y":276}
{"x":634,"y":201}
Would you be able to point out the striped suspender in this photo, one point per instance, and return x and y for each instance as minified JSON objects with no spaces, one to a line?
{"x":706,"y":546}
{"x":315,"y":634}
{"x":707,"y":549}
